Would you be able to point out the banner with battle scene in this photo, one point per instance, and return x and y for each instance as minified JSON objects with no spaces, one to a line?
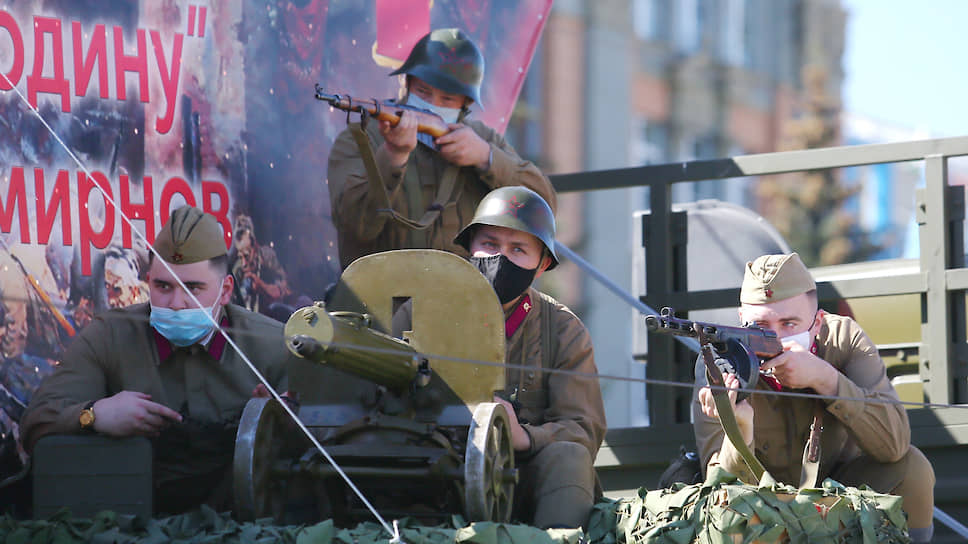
{"x":147,"y":105}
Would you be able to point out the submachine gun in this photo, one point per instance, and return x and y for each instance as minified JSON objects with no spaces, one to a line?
{"x":729,"y":350}
{"x":396,"y":378}
{"x":734,"y":350}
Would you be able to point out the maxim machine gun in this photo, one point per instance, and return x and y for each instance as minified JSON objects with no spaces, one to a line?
{"x":399,"y":369}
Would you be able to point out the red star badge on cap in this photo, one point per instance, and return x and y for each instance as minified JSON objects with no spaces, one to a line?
{"x":769,"y":293}
{"x":177,"y":257}
{"x":514,"y":206}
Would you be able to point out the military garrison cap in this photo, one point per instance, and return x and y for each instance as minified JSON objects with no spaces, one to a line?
{"x":190,"y":236}
{"x":771,"y":278}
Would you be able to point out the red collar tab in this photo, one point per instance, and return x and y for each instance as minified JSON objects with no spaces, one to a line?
{"x":514,"y":320}
{"x":215,"y":347}
{"x":771,"y":381}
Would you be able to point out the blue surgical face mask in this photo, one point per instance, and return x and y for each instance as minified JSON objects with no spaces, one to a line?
{"x":183,"y":327}
{"x":449,"y":115}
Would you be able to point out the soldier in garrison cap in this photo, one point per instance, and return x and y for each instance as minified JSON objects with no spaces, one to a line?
{"x":163,"y":370}
{"x":557,"y":420}
{"x":861,"y":442}
{"x":405,"y":189}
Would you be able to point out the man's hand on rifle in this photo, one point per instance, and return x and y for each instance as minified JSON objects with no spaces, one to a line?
{"x":743,"y":409}
{"x":797,"y":368}
{"x":400,"y":139}
{"x":463,"y":147}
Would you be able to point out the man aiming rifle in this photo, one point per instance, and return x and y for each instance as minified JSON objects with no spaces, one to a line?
{"x":395,"y":185}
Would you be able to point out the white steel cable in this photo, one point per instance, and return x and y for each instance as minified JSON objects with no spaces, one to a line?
{"x":394,"y":531}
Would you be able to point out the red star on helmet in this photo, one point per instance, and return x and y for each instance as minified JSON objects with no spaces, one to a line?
{"x":514,"y":206}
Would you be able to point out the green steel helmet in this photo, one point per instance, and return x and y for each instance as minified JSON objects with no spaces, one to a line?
{"x":447,"y":59}
{"x":517,"y":208}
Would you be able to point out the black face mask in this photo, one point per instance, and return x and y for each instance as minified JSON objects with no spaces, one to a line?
{"x":508,"y":279}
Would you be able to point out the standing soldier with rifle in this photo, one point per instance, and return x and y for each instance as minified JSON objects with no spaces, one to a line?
{"x":392,"y":187}
{"x":860,"y":442}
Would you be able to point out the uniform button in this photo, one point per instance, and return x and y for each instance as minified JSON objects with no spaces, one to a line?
{"x":531,"y":375}
{"x":766,"y":447}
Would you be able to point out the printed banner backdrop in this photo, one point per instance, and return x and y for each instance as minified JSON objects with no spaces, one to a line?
{"x":204,"y":102}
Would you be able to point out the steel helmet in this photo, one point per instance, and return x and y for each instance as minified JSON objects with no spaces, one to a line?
{"x":517,"y":208}
{"x":447,"y":59}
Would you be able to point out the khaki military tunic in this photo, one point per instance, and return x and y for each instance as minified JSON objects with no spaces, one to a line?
{"x":781,"y":424}
{"x":364,"y":228}
{"x":118,"y":351}
{"x":563,"y":415}
{"x":558,"y":407}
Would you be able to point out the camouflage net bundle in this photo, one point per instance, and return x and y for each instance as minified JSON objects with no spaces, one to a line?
{"x":207,"y":526}
{"x":720,"y":510}
{"x":724,"y":510}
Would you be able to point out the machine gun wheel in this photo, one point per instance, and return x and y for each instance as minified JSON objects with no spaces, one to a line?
{"x":258,"y":445}
{"x":489,"y":474}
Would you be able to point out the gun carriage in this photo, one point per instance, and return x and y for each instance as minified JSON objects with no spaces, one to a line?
{"x":398,"y":371}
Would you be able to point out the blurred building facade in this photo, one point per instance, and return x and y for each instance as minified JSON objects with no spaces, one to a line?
{"x":619,"y":83}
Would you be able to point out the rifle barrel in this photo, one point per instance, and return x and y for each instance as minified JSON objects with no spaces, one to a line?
{"x":427,"y":122}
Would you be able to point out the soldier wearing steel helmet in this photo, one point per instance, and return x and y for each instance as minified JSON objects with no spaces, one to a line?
{"x":162,"y":370}
{"x":861,"y":442}
{"x":432,"y":185}
{"x":559,"y":422}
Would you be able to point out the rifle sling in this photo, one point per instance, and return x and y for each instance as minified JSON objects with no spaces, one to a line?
{"x":810,"y":465}
{"x":378,"y":190}
{"x":726,"y":415}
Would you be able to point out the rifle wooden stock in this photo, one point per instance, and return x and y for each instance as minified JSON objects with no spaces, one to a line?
{"x":385,"y":110}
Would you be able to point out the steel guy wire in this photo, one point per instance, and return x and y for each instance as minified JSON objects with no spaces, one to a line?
{"x":211,"y":318}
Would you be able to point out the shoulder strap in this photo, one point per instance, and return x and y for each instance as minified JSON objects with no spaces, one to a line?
{"x":379,"y":191}
{"x":549,"y":341}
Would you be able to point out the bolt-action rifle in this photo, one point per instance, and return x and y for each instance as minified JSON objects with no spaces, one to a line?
{"x":385,"y":110}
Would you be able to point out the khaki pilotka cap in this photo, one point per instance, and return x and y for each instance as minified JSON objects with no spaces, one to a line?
{"x":190,"y":236}
{"x":772,"y":278}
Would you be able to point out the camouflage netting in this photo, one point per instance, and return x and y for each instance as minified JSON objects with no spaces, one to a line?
{"x":724,"y":510}
{"x":207,"y":526}
{"x":720,"y":510}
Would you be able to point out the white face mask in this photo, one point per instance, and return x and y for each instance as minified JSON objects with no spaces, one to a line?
{"x":802,"y":338}
{"x":449,"y":115}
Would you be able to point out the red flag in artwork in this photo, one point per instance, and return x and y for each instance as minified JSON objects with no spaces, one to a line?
{"x":506,"y":31}
{"x":399,"y":24}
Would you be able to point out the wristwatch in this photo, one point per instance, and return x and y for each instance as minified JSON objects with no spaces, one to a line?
{"x":87,"y":417}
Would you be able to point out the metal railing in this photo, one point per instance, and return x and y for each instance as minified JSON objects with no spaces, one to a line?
{"x":940,"y":279}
